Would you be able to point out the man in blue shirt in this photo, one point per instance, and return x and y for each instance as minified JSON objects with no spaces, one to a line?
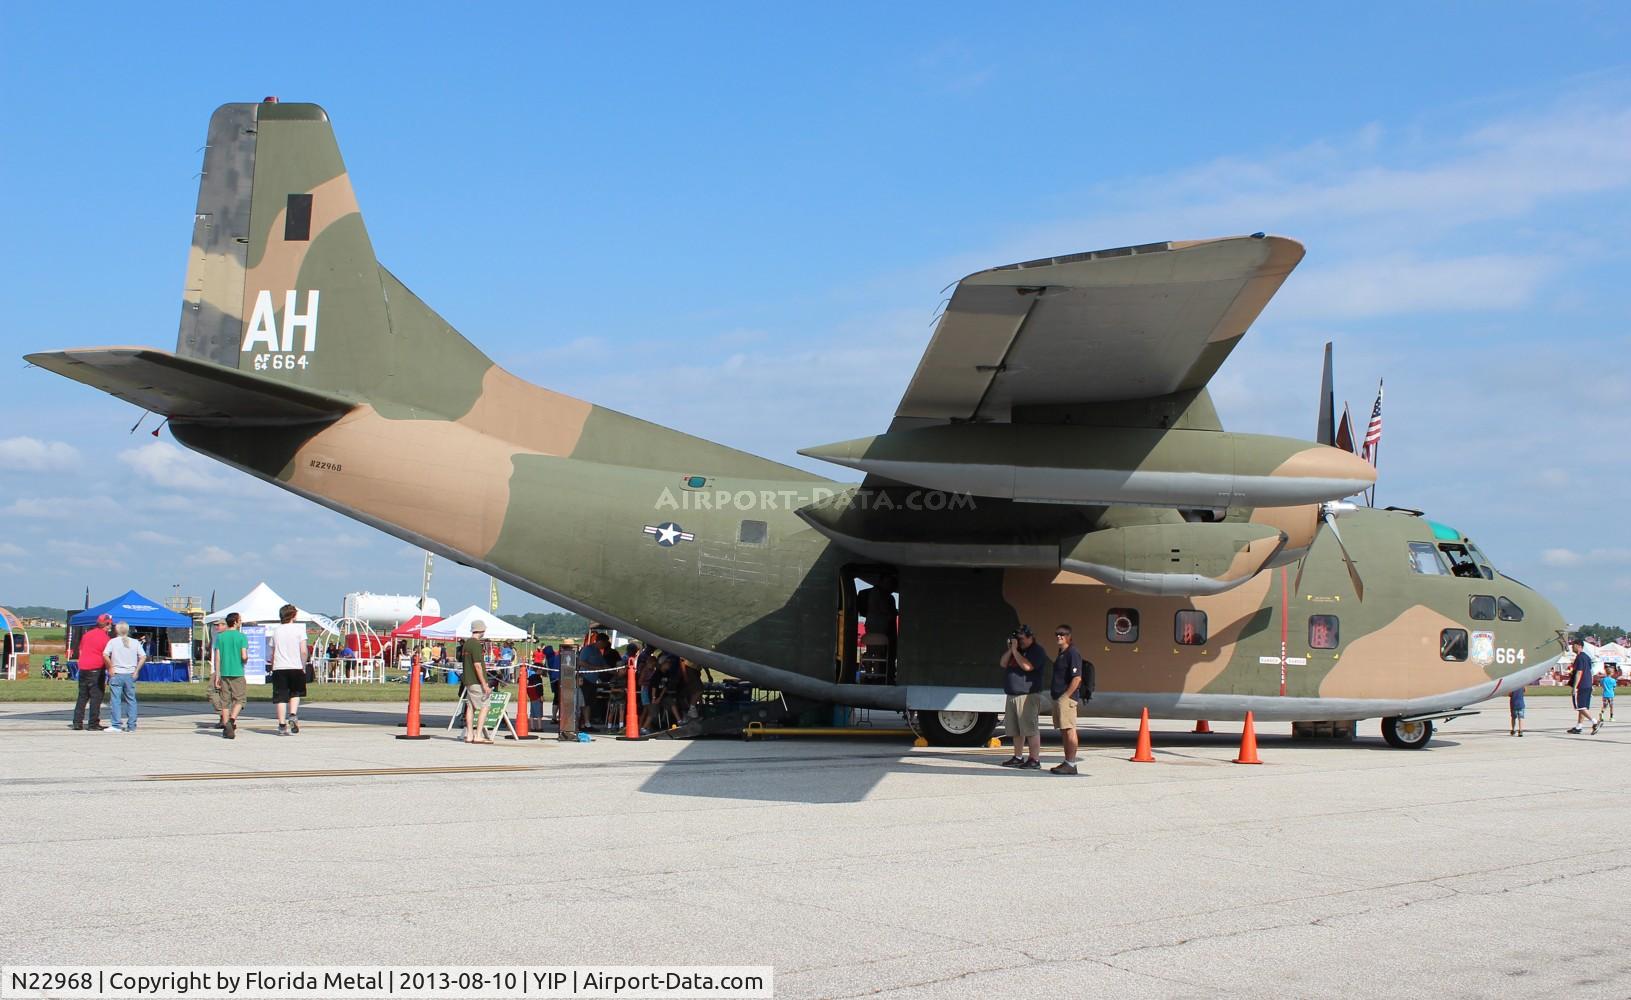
{"x":1072,"y":684}
{"x":1580,"y":681}
{"x":1023,"y":663}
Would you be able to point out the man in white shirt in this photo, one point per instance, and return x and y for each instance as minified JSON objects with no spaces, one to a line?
{"x":123,"y":656}
{"x":286,"y":651}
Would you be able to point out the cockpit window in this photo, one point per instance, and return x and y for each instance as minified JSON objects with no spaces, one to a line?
{"x":1484,"y":565}
{"x":1424,"y":559}
{"x":1481,"y":607}
{"x":1510,"y":612}
{"x":1461,"y":561}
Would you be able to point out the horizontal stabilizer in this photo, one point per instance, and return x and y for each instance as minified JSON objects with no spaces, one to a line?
{"x":189,"y":389}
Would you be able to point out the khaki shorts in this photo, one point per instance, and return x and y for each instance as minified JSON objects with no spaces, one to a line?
{"x":1023,"y":715}
{"x":231,"y":694}
{"x":1064,"y":713}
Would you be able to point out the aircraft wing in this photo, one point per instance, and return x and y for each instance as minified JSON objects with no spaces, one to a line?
{"x":1111,"y":325}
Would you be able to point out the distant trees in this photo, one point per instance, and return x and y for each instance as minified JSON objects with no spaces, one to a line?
{"x":1601,"y":633}
{"x":550,"y":623}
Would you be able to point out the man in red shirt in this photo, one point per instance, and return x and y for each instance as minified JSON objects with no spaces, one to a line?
{"x":92,"y":676}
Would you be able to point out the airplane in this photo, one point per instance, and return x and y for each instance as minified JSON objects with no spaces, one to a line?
{"x":1056,"y":459}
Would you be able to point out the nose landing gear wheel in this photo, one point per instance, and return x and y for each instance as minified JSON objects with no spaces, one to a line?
{"x":1406,"y":735}
{"x":956,"y":729}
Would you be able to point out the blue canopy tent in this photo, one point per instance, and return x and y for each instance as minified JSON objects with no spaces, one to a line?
{"x":147,"y":619}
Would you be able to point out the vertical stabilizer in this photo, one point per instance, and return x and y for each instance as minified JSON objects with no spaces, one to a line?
{"x":283,"y":281}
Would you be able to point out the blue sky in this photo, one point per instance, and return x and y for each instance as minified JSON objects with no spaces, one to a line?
{"x":738,"y":221}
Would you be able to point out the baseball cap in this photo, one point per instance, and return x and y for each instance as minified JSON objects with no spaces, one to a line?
{"x":104,"y":619}
{"x":1025,"y":630}
{"x":478,"y":626}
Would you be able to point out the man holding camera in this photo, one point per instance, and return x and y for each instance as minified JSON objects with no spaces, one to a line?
{"x":1023,"y":664}
{"x":1072,"y":684}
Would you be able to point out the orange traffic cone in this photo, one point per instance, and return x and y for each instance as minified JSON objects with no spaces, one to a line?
{"x":1142,"y":754}
{"x":1203,"y":727}
{"x":413,"y":708}
{"x":631,"y":707}
{"x":1248,"y":744}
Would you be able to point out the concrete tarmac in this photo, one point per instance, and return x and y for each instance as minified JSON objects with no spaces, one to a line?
{"x":1482,"y":866}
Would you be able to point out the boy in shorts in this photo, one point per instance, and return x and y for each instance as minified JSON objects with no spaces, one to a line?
{"x":1611,"y":680}
{"x":1515,"y":705}
{"x":227,"y":690}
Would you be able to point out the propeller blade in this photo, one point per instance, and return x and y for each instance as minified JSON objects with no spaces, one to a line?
{"x":1330,"y":520}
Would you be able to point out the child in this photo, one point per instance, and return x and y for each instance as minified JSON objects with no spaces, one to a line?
{"x":1515,"y":704}
{"x":1611,"y":680}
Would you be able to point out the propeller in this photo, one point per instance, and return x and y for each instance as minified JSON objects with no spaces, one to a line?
{"x":1328,"y":432}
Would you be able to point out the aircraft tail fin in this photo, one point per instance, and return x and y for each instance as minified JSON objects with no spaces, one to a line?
{"x":283,"y":283}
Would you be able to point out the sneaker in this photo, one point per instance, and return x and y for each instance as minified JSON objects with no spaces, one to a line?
{"x":1066,"y":768}
{"x":1030,"y":765}
{"x":230,"y":730}
{"x":1575,"y":730}
{"x":294,"y":724}
{"x":283,"y":730}
{"x":76,"y":725}
{"x":1520,"y":736}
{"x":1014,"y":762}
{"x":1596,"y":726}
{"x":113,"y":729}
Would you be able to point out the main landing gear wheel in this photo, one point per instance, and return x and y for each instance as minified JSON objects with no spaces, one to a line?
{"x":956,"y":729}
{"x":1406,"y":735}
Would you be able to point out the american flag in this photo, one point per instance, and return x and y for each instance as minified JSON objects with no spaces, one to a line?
{"x":1373,"y":433}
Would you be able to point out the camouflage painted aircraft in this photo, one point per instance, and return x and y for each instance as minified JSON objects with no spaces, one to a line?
{"x":1056,"y":459}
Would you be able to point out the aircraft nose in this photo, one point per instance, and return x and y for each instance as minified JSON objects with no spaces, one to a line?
{"x":1547,"y":625}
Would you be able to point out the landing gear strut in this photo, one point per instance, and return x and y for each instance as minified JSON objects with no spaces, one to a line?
{"x":956,"y":729}
{"x":1406,"y":735}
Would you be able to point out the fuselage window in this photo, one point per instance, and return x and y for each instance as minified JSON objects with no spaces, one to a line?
{"x":1510,"y":612}
{"x":1461,"y":562}
{"x":1189,"y":628}
{"x":753,"y":533}
{"x":1481,"y":608}
{"x":1424,"y":559}
{"x":1452,"y":644}
{"x":1121,"y":625}
{"x":1323,"y":631}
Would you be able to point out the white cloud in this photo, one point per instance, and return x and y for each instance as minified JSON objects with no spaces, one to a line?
{"x":67,"y":508}
{"x":1407,"y":283}
{"x":163,"y":464}
{"x":88,"y":554}
{"x":1561,"y":557}
{"x":155,"y":538}
{"x":26,"y":454}
{"x":212,"y":555}
{"x":8,"y":549}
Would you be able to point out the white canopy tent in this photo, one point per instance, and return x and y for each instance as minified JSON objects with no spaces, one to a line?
{"x":261,"y":605}
{"x":457,"y":626}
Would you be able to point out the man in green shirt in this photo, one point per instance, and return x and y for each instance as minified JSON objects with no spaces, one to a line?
{"x":473,"y":681}
{"x":227,"y":689}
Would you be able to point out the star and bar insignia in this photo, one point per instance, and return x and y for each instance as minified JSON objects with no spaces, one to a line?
{"x":668,"y":533}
